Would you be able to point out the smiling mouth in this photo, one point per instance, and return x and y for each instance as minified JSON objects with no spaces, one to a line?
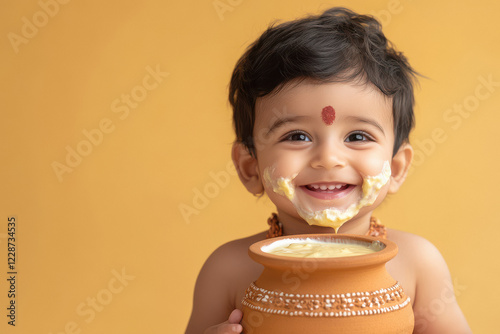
{"x":327,"y":187}
{"x":328,"y":191}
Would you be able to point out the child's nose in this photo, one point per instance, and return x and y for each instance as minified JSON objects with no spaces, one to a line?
{"x":328,"y":156}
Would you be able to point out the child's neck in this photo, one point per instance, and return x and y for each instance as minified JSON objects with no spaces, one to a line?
{"x":292,"y":225}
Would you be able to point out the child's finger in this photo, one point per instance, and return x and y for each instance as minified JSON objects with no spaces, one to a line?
{"x":228,"y":329}
{"x":235,"y":316}
{"x":236,"y":328}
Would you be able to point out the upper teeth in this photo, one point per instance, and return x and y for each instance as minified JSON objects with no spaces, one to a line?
{"x":325,"y":187}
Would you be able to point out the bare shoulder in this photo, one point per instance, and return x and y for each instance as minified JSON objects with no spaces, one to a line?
{"x":219,"y":281}
{"x":228,"y":263}
{"x":233,"y":254}
{"x":419,"y":250}
{"x":404,"y":238}
{"x":434,"y":304}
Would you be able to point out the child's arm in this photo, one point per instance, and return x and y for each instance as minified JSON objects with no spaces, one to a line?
{"x":436,"y":309}
{"x":213,"y":306}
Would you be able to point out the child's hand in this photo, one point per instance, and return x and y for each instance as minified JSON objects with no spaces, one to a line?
{"x":232,"y":325}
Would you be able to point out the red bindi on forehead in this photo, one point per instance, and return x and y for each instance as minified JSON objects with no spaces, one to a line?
{"x":328,"y":115}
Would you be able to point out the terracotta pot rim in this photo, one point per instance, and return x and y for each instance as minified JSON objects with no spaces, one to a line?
{"x":270,"y":260}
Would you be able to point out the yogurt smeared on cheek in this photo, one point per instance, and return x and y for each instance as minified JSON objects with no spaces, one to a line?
{"x":330,"y":217}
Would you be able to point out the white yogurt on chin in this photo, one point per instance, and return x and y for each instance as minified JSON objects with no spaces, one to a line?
{"x":330,"y":217}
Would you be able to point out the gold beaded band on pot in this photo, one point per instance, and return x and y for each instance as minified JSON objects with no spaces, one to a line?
{"x":334,"y":305}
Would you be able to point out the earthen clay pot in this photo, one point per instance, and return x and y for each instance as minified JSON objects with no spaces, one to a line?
{"x":352,"y":294}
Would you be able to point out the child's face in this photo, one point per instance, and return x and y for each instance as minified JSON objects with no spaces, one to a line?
{"x":327,"y":137}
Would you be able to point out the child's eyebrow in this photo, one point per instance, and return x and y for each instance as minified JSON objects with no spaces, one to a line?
{"x":282,"y":121}
{"x":367,"y":120}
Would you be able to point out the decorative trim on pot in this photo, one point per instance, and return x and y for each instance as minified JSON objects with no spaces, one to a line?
{"x":380,"y":301}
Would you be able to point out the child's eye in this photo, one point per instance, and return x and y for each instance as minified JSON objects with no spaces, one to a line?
{"x":296,"y":136}
{"x":358,"y":136}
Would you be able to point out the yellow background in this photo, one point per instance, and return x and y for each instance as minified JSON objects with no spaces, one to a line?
{"x":119,"y":208}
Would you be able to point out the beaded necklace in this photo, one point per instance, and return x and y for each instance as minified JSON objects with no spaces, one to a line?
{"x":276,"y":228}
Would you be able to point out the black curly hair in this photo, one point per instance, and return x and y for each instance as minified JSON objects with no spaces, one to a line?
{"x":338,"y":45}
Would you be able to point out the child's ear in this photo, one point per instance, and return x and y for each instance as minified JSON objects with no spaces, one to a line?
{"x":247,"y":168}
{"x":399,"y":167}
